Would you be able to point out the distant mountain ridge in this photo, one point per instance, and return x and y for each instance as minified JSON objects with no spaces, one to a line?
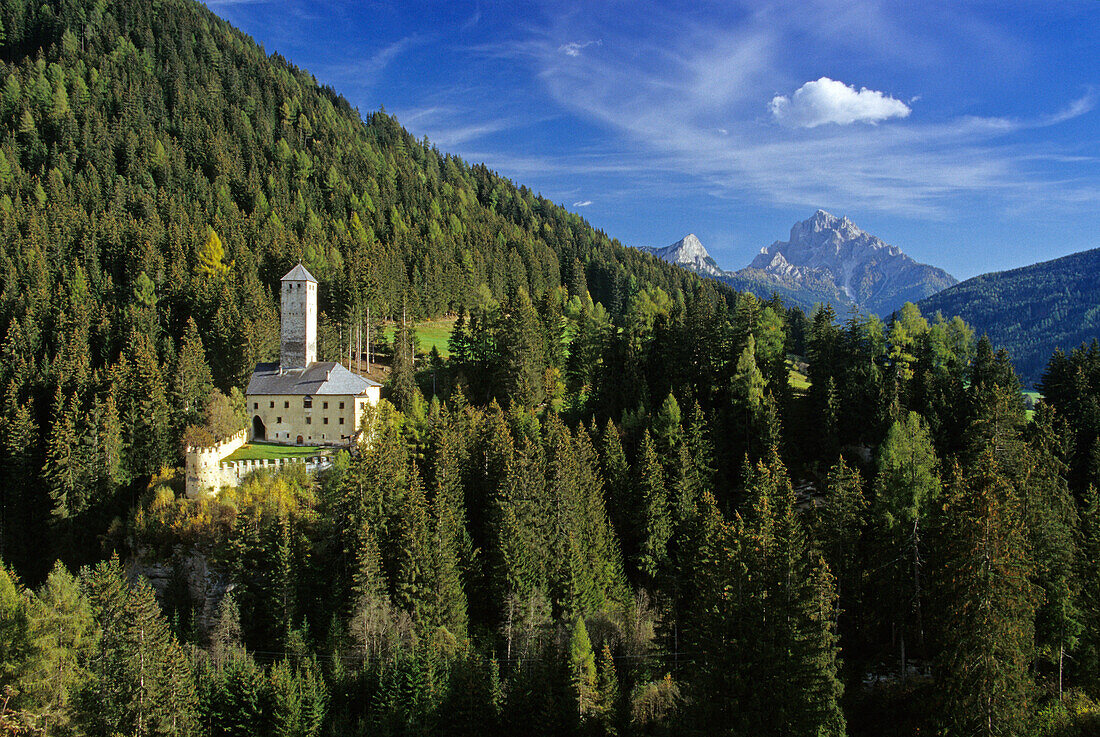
{"x":1031,"y":310}
{"x":689,"y":253}
{"x":827,"y":259}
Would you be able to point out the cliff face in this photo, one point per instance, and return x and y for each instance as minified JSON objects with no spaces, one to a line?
{"x":871,"y":273}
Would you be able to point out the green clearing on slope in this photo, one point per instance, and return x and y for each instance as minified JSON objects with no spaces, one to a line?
{"x":429,"y":334}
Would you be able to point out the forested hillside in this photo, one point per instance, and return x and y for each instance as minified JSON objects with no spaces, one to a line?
{"x":157,"y":168}
{"x":1032,"y":310}
{"x":607,"y":512}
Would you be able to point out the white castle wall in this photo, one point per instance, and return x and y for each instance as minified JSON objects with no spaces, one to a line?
{"x":207,"y":472}
{"x":232,"y":473}
{"x":202,"y":463}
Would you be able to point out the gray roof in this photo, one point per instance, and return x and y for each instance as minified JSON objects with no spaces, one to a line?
{"x":320,"y":377}
{"x":299,"y":273}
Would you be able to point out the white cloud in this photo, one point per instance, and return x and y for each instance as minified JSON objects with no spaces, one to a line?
{"x":582,"y":203}
{"x":574,"y":48}
{"x":829,"y":101}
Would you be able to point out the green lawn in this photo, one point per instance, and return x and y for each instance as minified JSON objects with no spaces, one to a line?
{"x":430,"y":333}
{"x":269,"y":451}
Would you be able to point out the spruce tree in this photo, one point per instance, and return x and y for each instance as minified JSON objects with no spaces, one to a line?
{"x":654,"y":523}
{"x":582,"y":670}
{"x":987,"y":604}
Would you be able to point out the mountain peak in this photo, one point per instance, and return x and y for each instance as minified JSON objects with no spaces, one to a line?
{"x":690,"y":253}
{"x":871,"y":273}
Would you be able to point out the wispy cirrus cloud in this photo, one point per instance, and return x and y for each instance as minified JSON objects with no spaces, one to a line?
{"x":689,"y":101}
{"x":582,"y":203}
{"x":574,"y":48}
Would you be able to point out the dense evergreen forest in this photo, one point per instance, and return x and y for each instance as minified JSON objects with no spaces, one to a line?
{"x":608,"y":512}
{"x":1031,"y":311}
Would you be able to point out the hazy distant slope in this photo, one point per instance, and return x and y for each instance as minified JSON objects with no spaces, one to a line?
{"x":1030,"y":310}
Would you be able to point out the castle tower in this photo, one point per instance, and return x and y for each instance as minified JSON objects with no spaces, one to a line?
{"x":299,"y":319}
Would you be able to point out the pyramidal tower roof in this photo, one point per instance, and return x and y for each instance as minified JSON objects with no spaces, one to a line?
{"x":299,"y":273}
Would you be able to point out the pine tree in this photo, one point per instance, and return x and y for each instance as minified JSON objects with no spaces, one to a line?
{"x":522,"y":353}
{"x":1051,"y":521}
{"x":403,"y":371}
{"x":413,"y":553}
{"x":582,"y":670}
{"x":654,"y":523}
{"x":65,"y":635}
{"x":841,"y":523}
{"x":145,"y":417}
{"x":987,"y":603}
{"x":141,"y":682}
{"x":606,"y":709}
{"x":64,"y":464}
{"x":907,"y":484}
{"x":1088,"y":574}
{"x":191,"y":380}
{"x":19,"y":653}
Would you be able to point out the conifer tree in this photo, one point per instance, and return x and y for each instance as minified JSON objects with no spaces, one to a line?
{"x":413,"y":571}
{"x":841,"y":523}
{"x":1088,"y":573}
{"x":522,"y":352}
{"x":403,"y":372}
{"x":145,"y":418}
{"x":987,"y":602}
{"x":141,"y":682}
{"x":19,"y":653}
{"x":582,"y":670}
{"x":616,"y":472}
{"x":1051,"y":521}
{"x":65,"y":636}
{"x":606,"y":709}
{"x":654,"y":524}
{"x":191,"y":380}
{"x":907,"y":484}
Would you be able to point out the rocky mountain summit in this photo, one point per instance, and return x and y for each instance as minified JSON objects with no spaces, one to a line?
{"x":871,"y":273}
{"x":827,"y":259}
{"x":689,"y":253}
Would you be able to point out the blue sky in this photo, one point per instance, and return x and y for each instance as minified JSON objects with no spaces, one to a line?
{"x":965,"y":133}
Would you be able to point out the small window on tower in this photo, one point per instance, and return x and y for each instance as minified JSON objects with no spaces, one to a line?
{"x":255,"y":405}
{"x":324,"y":405}
{"x":341,"y":405}
{"x":308,"y":402}
{"x":286,"y":405}
{"x":278,"y":420}
{"x":326,"y":421}
{"x":341,"y":420}
{"x":309,"y":420}
{"x":272,"y":405}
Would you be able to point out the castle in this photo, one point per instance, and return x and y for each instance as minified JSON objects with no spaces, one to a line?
{"x":300,"y":400}
{"x":297,"y":401}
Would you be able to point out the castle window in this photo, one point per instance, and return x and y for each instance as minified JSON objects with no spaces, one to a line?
{"x":273,"y":405}
{"x":309,"y":420}
{"x":341,"y":405}
{"x":255,"y":405}
{"x":341,"y":420}
{"x":326,"y":421}
{"x":324,"y":405}
{"x":278,"y":420}
{"x":308,"y":402}
{"x":286,"y":405}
